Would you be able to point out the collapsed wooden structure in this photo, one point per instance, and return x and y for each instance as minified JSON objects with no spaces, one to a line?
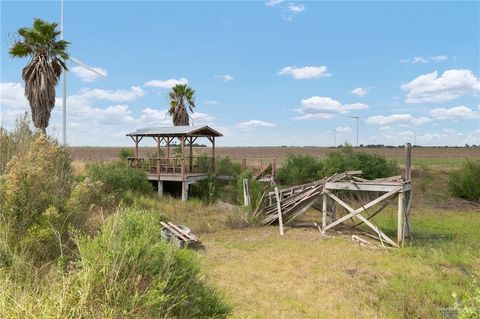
{"x":177,"y":165}
{"x":286,"y":205}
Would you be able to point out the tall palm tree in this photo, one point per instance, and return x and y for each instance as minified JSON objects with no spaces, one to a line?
{"x":42,"y":73}
{"x":180,"y":95}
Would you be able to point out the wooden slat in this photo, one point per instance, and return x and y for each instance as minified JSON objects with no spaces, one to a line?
{"x":188,"y":235}
{"x":175,"y":232}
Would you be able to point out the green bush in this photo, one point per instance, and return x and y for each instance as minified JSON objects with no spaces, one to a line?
{"x":372,"y":165}
{"x":125,"y":153}
{"x":465,"y":183}
{"x":226,"y":167}
{"x":118,"y":179}
{"x":15,"y":142}
{"x":255,"y":188}
{"x":300,"y":169}
{"x":125,"y":271}
{"x":33,"y":192}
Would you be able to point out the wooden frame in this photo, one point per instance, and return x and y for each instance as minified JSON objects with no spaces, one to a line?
{"x":290,"y":203}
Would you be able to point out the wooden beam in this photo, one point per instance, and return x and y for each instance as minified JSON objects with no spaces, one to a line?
{"x":361,"y":209}
{"x":362,"y":186}
{"x":408,"y":162}
{"x":401,"y":203}
{"x":279,"y":211}
{"x":324,"y":211}
{"x":214,"y":164}
{"x":357,"y":214}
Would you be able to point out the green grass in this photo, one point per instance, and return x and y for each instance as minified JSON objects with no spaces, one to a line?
{"x":306,"y":275}
{"x":438,"y":161}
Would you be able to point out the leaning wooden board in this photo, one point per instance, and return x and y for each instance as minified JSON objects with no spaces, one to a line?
{"x":179,"y":234}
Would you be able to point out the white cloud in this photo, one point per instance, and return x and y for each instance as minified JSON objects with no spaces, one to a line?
{"x":449,"y":86}
{"x":320,"y":107}
{"x":360,"y":91}
{"x":12,"y":95}
{"x":306,"y":72}
{"x":166,"y":84}
{"x":343,"y":129}
{"x":457,"y":112}
{"x":86,"y":75}
{"x":249,"y":125}
{"x":420,"y":59}
{"x":296,"y":7}
{"x":439,"y":58}
{"x":211,"y":102}
{"x":225,"y":77}
{"x":397,"y":119}
{"x":272,"y":3}
{"x":134,"y":93}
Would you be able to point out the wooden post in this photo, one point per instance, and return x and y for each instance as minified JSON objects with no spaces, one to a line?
{"x":160,"y":189}
{"x":184,"y":191}
{"x":324,"y":211}
{"x":182,"y":163}
{"x":246,"y":193}
{"x":214,"y":167}
{"x":408,"y":162}
{"x":274,"y":167}
{"x":136,"y":147}
{"x":279,"y":212}
{"x":401,"y":197}
{"x":158,"y":157}
{"x":191,"y":154}
{"x":244,"y":164}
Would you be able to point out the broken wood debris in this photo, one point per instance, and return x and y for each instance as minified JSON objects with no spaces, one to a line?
{"x":179,"y":233}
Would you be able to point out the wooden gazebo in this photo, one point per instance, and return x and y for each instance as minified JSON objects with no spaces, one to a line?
{"x":173,"y":162}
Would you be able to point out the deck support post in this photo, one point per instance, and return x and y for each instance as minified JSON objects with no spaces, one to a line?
{"x":184,"y":191}
{"x":214,"y":168}
{"x":160,"y":189}
{"x":401,"y":203}
{"x":324,"y":211}
{"x":191,"y":154}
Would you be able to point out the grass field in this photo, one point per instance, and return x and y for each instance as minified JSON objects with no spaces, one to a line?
{"x":306,"y":275}
{"x":438,"y":155}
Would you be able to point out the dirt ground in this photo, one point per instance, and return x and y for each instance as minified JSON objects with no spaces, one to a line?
{"x":238,"y":153}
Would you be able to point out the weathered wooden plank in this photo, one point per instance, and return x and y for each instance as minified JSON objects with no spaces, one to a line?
{"x":188,"y":235}
{"x":175,"y":232}
{"x":361,"y":209}
{"x":360,"y":186}
{"x":279,"y":211}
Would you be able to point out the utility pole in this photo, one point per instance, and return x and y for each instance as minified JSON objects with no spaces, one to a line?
{"x":64,"y":98}
{"x":357,"y":118}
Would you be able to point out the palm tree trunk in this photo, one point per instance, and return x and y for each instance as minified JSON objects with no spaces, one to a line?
{"x":44,"y":131}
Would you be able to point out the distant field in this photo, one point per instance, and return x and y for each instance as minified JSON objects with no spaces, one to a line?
{"x":429,"y":155}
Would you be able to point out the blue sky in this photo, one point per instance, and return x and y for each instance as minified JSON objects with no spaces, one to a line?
{"x":265,"y":73}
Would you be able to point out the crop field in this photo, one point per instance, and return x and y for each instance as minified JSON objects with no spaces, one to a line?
{"x":435,"y":155}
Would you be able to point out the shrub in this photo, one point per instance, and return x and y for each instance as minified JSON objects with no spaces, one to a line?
{"x":300,"y":169}
{"x":125,"y":271}
{"x":125,"y":153}
{"x":372,"y":165}
{"x":226,"y":167}
{"x":255,"y":188}
{"x":16,"y":141}
{"x":118,"y":179}
{"x":35,"y":186}
{"x":465,"y":183}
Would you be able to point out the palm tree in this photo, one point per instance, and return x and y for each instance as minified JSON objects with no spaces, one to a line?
{"x":42,"y":73}
{"x":180,"y":95}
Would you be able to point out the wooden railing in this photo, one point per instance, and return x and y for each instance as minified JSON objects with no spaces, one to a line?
{"x":173,"y":165}
{"x":260,"y":165}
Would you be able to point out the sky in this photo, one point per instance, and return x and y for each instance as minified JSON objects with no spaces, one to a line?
{"x":265,"y":73}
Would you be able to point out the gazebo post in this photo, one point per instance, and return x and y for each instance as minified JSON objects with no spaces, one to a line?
{"x":191,"y":154}
{"x":213,"y":155}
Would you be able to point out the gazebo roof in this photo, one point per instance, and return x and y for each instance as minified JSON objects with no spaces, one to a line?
{"x":174,"y":131}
